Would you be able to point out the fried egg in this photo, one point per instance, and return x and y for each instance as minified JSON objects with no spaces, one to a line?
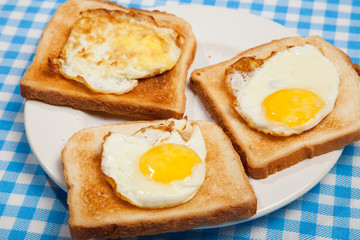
{"x":158,"y":166}
{"x":110,"y":50}
{"x":288,"y":93}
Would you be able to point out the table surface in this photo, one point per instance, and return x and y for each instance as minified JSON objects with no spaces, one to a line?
{"x":34,"y":207}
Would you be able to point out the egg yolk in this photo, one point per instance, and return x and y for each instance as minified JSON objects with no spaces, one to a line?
{"x":142,"y":42}
{"x":294,"y":107}
{"x":168,"y":162}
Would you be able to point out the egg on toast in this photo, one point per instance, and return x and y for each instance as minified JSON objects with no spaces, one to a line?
{"x":100,"y":56}
{"x":330,"y":87}
{"x":99,"y":209}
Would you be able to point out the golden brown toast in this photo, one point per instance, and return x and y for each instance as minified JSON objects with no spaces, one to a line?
{"x":264,"y":154}
{"x":158,"y":97}
{"x":96,"y":212}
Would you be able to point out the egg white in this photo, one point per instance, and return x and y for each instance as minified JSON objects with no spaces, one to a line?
{"x":120,"y":161}
{"x":302,"y":67}
{"x":95,"y":58}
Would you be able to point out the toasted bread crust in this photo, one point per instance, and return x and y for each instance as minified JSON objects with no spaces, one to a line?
{"x":263,"y":154}
{"x":158,"y":97}
{"x":95,"y":209}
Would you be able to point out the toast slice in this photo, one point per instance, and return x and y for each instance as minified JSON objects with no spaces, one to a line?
{"x":264,"y":154}
{"x":96,"y":212}
{"x":158,"y":97}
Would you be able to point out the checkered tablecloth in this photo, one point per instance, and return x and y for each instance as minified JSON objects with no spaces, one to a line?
{"x":33,"y":207}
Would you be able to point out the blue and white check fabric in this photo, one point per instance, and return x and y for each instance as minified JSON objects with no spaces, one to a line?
{"x":33,"y":207}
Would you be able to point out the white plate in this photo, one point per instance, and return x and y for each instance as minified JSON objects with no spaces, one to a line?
{"x":221,"y":34}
